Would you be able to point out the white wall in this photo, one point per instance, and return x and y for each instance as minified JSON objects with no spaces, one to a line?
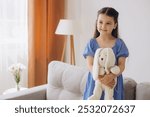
{"x":134,"y":25}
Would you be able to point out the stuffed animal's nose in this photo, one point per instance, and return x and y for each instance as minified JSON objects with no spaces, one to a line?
{"x":101,"y":58}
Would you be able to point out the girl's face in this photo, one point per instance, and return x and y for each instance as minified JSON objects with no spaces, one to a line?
{"x":105,"y":24}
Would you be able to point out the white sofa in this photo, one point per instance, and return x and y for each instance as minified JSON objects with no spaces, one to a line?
{"x":67,"y":82}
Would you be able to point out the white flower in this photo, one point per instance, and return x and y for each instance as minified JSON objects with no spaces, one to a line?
{"x":16,"y":69}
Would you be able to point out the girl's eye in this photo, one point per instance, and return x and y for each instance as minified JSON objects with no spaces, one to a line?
{"x":108,"y":23}
{"x":100,"y":22}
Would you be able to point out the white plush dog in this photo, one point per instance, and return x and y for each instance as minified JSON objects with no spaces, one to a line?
{"x":104,"y":63}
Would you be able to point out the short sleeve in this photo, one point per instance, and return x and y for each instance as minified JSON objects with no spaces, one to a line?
{"x":123,"y":50}
{"x":89,"y":49}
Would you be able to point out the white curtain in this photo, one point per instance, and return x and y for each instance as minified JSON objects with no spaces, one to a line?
{"x":13,"y":40}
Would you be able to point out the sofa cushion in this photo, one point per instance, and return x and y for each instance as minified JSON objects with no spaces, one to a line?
{"x":143,"y":91}
{"x":129,"y":89}
{"x":65,"y":81}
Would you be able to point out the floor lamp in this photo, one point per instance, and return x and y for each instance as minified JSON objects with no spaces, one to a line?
{"x":66,"y":27}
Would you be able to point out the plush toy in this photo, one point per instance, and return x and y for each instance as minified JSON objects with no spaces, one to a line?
{"x":104,"y":63}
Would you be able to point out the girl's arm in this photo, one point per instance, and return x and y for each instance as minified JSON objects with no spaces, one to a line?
{"x":89,"y":60}
{"x":109,"y":79}
{"x":121,"y":64}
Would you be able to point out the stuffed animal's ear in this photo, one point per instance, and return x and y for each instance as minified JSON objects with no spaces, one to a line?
{"x":110,"y":60}
{"x":95,"y":71}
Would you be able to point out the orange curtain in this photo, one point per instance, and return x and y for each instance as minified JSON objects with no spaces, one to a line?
{"x":44,"y":46}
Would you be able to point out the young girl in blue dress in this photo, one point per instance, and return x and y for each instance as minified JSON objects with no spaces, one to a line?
{"x":106,"y":36}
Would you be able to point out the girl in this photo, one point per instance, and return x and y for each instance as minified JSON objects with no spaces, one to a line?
{"x":106,"y":36}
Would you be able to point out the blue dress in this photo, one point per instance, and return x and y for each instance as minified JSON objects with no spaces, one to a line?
{"x":120,"y":50}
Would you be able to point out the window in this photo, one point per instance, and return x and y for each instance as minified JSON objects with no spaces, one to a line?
{"x":13,"y":40}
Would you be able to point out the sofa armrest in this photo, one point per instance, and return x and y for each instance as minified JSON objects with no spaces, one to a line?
{"x":129,"y":89}
{"x":34,"y":93}
{"x":142,"y":91}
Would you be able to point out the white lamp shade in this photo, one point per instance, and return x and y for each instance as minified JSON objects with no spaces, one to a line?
{"x":65,"y":27}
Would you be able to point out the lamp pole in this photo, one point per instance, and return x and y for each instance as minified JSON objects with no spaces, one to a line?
{"x":72,"y":53}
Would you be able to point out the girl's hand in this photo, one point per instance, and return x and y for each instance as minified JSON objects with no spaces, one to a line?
{"x":108,"y":80}
{"x":111,"y":84}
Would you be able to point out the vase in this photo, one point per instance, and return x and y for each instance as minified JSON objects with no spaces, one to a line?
{"x":17,"y":79}
{"x":18,"y":87}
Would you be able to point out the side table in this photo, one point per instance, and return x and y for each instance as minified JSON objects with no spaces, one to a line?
{"x":12,"y":90}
